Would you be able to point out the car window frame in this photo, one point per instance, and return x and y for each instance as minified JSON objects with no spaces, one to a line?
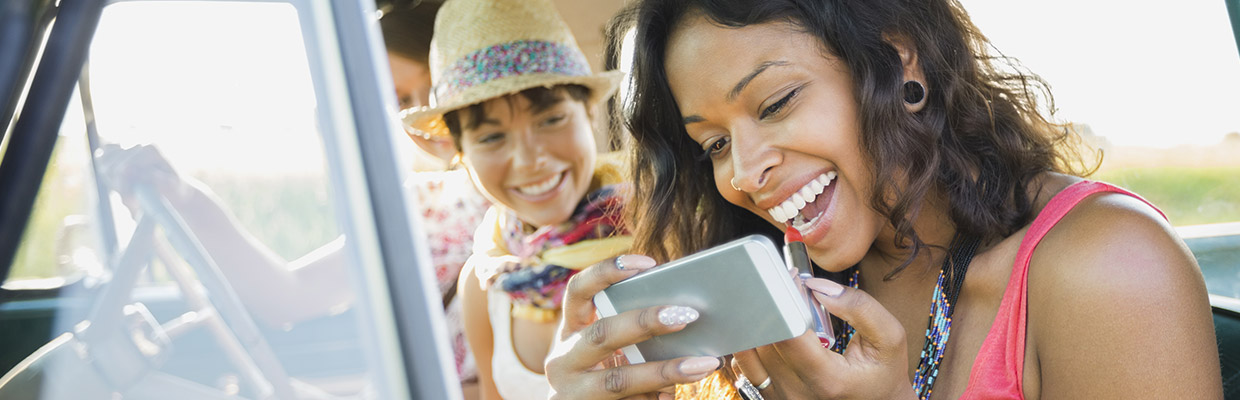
{"x":356,"y":115}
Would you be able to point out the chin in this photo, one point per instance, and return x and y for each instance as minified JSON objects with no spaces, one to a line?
{"x":541,"y":219}
{"x":834,"y":260}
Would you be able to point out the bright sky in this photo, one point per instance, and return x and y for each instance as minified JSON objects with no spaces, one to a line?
{"x":222,"y":87}
{"x":1143,"y":72}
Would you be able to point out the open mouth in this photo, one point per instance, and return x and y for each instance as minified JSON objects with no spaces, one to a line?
{"x":803,"y":208}
{"x":542,"y":187}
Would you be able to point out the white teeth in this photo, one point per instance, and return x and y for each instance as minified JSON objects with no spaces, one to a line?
{"x":777,"y":213}
{"x":790,"y":209}
{"x":538,"y":188}
{"x":792,"y":206}
{"x":817,"y":186}
{"x":802,"y":225}
{"x":798,"y":200}
{"x":807,"y":193}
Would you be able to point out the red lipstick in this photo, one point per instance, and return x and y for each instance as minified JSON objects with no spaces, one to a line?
{"x":797,"y":258}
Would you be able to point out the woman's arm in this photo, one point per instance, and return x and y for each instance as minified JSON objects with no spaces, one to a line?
{"x":477,"y":321}
{"x":1118,"y":308}
{"x":275,"y":290}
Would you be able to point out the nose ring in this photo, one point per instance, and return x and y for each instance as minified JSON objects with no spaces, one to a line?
{"x":733,"y":182}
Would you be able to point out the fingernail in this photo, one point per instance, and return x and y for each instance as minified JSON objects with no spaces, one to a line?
{"x":633,"y":262}
{"x":699,"y":365}
{"x":825,"y":286}
{"x":677,"y":315}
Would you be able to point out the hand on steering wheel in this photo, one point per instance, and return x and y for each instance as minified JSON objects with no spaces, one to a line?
{"x":149,"y":186}
{"x":124,"y":169}
{"x":578,"y":366}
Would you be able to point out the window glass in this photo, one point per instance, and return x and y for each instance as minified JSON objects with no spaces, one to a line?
{"x":227,"y":98}
{"x":58,"y":245}
{"x":217,"y":261}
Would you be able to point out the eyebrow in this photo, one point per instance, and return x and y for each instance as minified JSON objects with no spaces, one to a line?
{"x":740,"y":86}
{"x":540,"y":106}
{"x":736,"y":90}
{"x":486,"y":121}
{"x":537,"y":106}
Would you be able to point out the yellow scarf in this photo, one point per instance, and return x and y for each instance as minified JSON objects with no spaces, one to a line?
{"x":608,"y":172}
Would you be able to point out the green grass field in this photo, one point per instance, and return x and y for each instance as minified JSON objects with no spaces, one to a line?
{"x":293,"y":215}
{"x":1188,"y":196}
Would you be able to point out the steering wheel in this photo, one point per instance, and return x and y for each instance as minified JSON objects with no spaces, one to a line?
{"x":132,"y":344}
{"x":223,"y":312}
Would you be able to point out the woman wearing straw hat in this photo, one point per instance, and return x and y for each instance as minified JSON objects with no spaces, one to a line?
{"x":516,"y":95}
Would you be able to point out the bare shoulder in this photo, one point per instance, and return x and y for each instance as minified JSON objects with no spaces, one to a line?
{"x":471,"y":290}
{"x":1110,"y":286}
{"x":1114,"y":242}
{"x":474,"y":308}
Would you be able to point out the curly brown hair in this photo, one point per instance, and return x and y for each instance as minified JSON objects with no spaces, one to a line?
{"x":980,"y":140}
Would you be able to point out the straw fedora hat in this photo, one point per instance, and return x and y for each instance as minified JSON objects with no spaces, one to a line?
{"x":484,"y":49}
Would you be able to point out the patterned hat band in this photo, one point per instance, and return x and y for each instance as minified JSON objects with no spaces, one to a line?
{"x":515,"y":58}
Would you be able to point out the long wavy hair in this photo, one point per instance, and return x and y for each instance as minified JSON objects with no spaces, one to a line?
{"x":980,"y":140}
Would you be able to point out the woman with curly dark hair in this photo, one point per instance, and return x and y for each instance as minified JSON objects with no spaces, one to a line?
{"x":968,"y":256}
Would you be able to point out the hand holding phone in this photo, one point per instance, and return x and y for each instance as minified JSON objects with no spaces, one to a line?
{"x":742,"y":289}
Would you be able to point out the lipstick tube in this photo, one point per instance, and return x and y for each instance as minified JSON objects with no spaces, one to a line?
{"x":797,"y":258}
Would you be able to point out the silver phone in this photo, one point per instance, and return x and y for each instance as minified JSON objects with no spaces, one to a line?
{"x":744,"y":293}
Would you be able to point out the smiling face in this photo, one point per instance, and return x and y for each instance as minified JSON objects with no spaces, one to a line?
{"x":536,"y":158}
{"x":782,"y":120}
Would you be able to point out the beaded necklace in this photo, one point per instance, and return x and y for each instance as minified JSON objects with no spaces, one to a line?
{"x":946,"y":291}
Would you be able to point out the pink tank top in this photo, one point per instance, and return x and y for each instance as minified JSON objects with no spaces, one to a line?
{"x":999,"y":368}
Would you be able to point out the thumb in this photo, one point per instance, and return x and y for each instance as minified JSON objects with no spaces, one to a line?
{"x":871,"y":320}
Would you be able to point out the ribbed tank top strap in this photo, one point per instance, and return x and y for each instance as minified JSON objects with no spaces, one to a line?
{"x":999,"y":368}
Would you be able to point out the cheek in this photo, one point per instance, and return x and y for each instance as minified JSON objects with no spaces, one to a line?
{"x":577,"y":144}
{"x":583,"y":133}
{"x":723,"y":184}
{"x":489,"y":176}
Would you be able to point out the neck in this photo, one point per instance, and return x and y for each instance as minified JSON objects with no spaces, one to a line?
{"x":935,"y":229}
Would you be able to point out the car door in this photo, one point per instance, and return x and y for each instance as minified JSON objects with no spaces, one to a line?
{"x":277,"y":108}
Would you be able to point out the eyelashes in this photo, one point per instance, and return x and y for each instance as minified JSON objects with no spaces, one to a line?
{"x":553,"y":120}
{"x":774,"y":109}
{"x":491,"y":138}
{"x":714,"y":148}
{"x":721,"y":145}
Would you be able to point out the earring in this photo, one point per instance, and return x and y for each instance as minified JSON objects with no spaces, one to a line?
{"x":733,"y":182}
{"x":914,"y":92}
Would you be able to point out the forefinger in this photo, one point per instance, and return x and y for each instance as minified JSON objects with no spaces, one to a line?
{"x":579,"y":297}
{"x":603,"y":337}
